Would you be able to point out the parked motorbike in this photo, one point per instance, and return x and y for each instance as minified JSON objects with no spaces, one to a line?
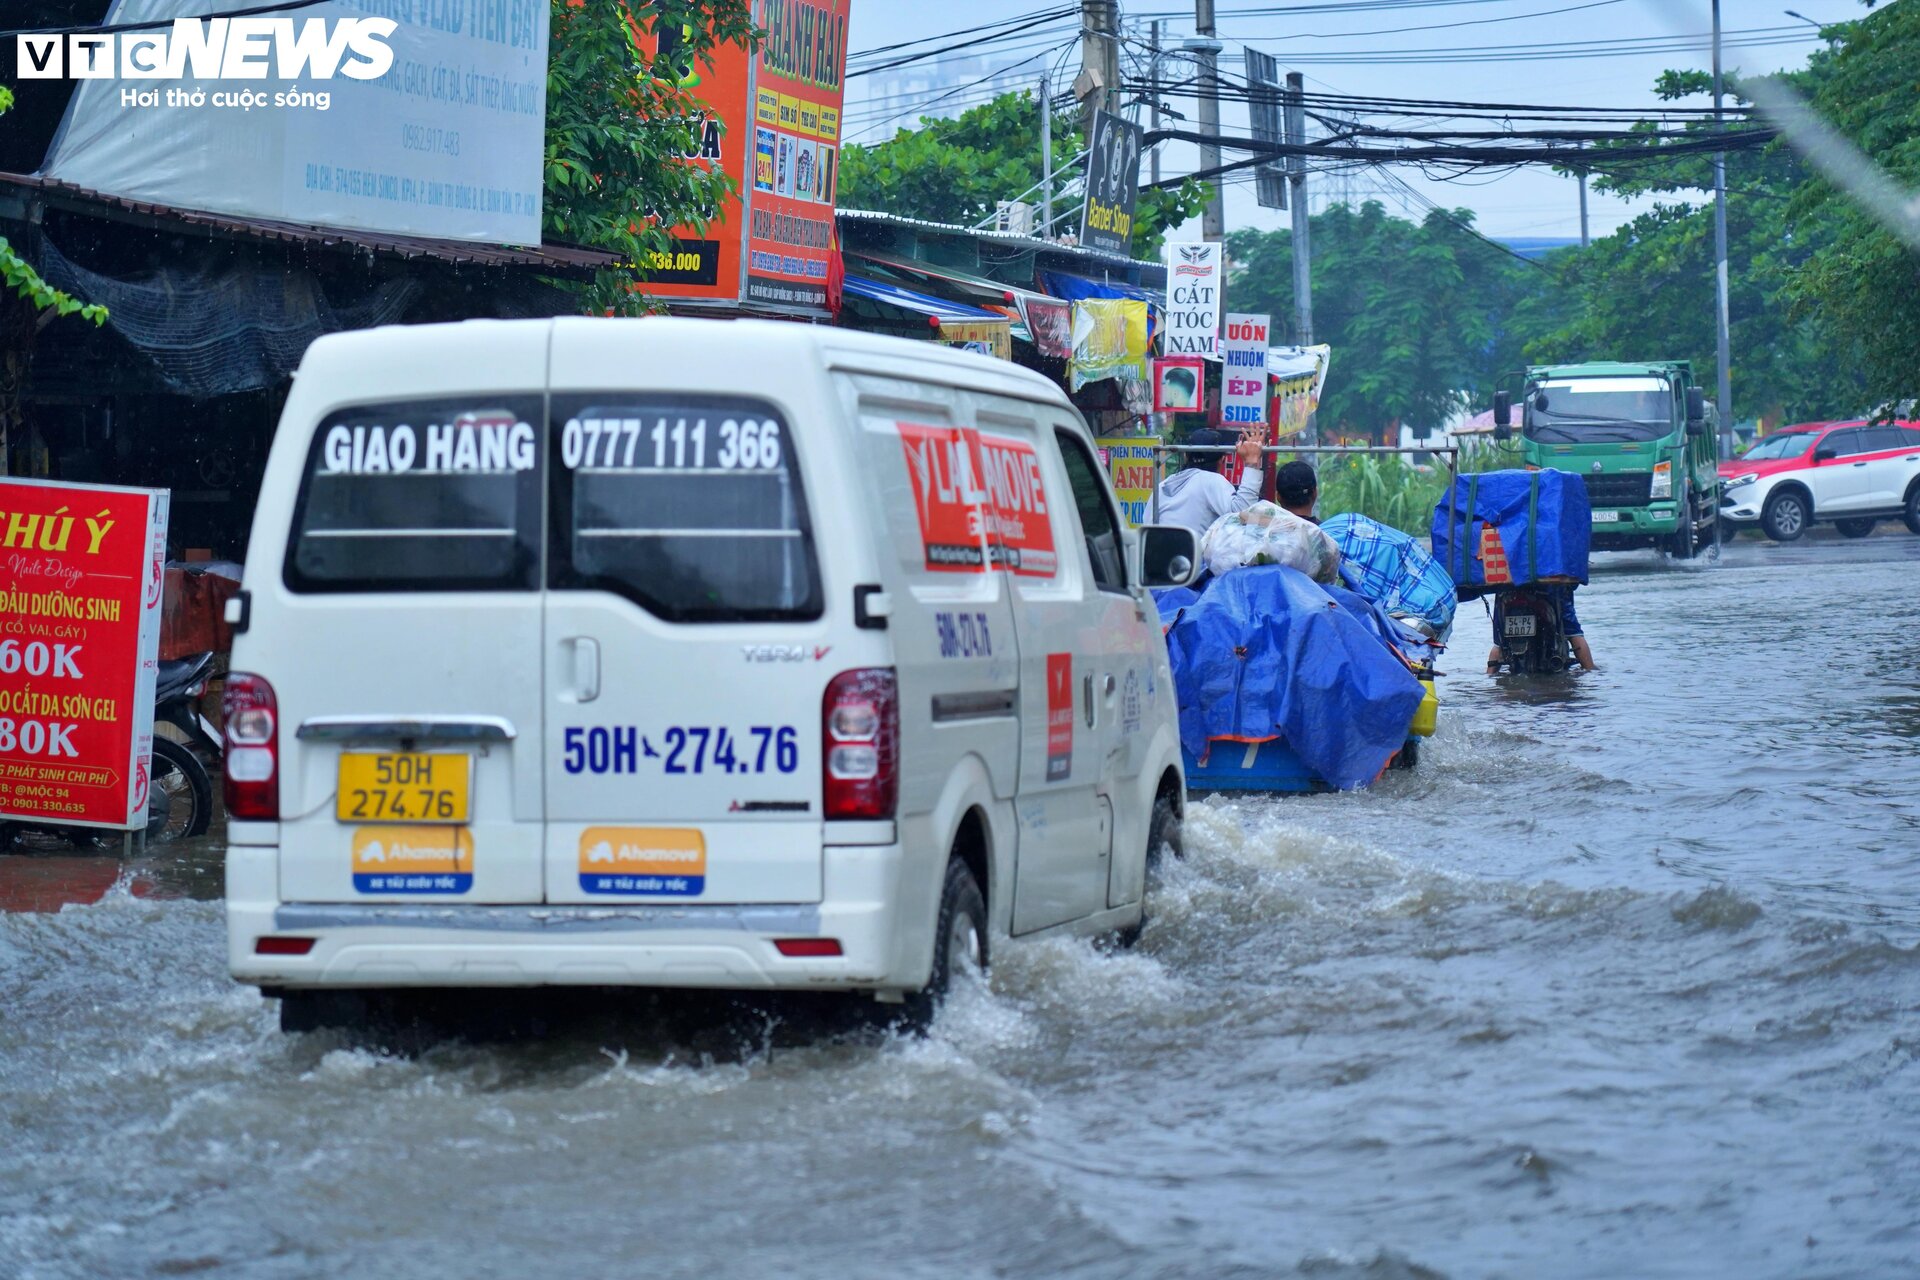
{"x":180,"y":791}
{"x":1528,"y":628}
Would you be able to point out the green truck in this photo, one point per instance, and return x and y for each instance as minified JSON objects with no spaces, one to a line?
{"x":1641,"y":437}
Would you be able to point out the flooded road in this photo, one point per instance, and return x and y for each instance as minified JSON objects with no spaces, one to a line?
{"x":1623,"y":980}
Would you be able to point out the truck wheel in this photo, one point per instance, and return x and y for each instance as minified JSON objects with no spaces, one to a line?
{"x":1785,"y":517}
{"x":1857,"y":527}
{"x":959,"y":941}
{"x":1681,"y":546}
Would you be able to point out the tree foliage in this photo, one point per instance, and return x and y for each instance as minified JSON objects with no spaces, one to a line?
{"x":1857,"y":281}
{"x":618,"y":130}
{"x":27,"y":283}
{"x":958,"y":170}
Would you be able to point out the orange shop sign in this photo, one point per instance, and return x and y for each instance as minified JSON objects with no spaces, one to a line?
{"x":773,"y":125}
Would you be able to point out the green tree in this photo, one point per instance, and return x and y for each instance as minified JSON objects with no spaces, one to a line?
{"x":958,"y":170}
{"x":618,"y":130}
{"x":1857,"y":282}
{"x":1415,"y":311}
{"x":27,"y":285}
{"x":1647,"y":290}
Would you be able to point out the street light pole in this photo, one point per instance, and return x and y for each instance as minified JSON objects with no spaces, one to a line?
{"x":1724,"y":398}
{"x":1046,"y":158}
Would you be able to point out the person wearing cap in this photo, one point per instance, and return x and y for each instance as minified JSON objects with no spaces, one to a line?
{"x":1198,"y":495}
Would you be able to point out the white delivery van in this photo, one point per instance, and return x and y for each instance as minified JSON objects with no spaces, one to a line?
{"x":684,"y":653}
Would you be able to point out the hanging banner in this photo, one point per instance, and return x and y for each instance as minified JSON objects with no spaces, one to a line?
{"x":773,"y":125}
{"x":81,"y":577}
{"x":988,"y":337}
{"x":1299,"y":375}
{"x":1109,"y":341}
{"x":1113,"y":184}
{"x":1193,"y":299}
{"x":1050,"y":321}
{"x":1130,"y":465}
{"x":1243,"y":374}
{"x":1179,"y":385}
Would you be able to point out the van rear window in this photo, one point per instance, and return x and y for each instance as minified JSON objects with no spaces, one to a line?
{"x":690,"y":506}
{"x":430,"y":495}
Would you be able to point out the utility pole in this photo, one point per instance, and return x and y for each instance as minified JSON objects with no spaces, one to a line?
{"x":1296,"y":126}
{"x":1725,"y":397}
{"x":1046,"y":158}
{"x":1100,"y":55}
{"x":1585,"y":240}
{"x":1206,"y":49}
{"x":1153,"y":105}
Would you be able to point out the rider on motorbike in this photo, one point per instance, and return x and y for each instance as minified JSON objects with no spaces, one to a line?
{"x":1562,"y":595}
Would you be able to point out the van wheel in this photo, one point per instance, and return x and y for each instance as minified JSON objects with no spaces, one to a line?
{"x":959,"y":944}
{"x":1784,"y":518}
{"x":1856,"y":527}
{"x":1164,"y":837}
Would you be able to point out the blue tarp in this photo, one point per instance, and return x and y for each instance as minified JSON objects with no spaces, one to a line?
{"x":1543,"y":517}
{"x":894,"y":295}
{"x":1393,"y":570}
{"x":1265,"y":653}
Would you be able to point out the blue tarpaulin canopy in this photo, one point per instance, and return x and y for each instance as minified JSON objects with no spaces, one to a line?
{"x":1543,"y":518}
{"x":903,"y":299}
{"x":1264,"y":653}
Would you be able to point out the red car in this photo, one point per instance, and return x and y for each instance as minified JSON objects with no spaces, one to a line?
{"x":1851,"y":474}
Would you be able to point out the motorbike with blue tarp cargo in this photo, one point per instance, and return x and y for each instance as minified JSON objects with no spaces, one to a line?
{"x":1522,"y":539}
{"x":1286,"y":684}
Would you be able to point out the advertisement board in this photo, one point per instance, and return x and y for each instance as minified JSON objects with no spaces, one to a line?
{"x":1193,"y":299}
{"x":1243,"y":373}
{"x":81,"y":572}
{"x":409,"y":119}
{"x":1130,"y":464}
{"x":774,"y":127}
{"x":1179,"y":384}
{"x":1113,"y":184}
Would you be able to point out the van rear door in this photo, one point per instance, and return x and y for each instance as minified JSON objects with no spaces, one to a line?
{"x":406,"y":641}
{"x":687,"y":648}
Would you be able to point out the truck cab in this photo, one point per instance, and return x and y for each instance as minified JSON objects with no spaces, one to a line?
{"x":1639,"y":434}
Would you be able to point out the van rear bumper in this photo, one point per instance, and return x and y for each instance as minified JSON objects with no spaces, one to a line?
{"x":720,"y":946}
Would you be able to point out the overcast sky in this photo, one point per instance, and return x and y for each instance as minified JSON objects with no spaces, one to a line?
{"x":1350,"y":50}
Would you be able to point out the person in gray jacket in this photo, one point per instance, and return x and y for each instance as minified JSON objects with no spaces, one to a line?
{"x":1198,"y":495}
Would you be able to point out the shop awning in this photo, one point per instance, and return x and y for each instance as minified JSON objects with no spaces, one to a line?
{"x":1074,"y":288}
{"x":900,"y":298}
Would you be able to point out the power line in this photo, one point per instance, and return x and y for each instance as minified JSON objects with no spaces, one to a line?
{"x":963,"y":31}
{"x":998,"y":71}
{"x":1042,"y":20}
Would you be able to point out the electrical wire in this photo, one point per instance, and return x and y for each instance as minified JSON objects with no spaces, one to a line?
{"x":852,"y":58}
{"x":1027,"y":25}
{"x":996,"y":72}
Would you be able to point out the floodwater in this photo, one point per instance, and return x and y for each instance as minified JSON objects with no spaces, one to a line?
{"x":1623,"y":980}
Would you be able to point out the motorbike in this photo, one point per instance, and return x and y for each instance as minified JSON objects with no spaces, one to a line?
{"x":1527,"y":626}
{"x":180,"y":791}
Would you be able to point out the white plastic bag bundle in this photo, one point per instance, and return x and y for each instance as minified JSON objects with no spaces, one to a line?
{"x":1268,"y":534}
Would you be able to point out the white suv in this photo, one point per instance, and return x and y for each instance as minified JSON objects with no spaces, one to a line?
{"x":1849,"y":473}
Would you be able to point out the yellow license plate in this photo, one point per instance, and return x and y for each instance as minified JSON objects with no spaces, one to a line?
{"x":403,"y":786}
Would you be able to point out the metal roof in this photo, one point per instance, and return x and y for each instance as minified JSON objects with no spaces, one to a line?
{"x":875,"y":218}
{"x":559,"y":259}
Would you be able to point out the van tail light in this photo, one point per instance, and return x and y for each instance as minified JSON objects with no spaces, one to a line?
{"x":252,"y":718}
{"x":860,"y":744}
{"x":271,"y":946}
{"x":807,"y":948}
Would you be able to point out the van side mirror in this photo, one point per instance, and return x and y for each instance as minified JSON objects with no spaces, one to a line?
{"x":1502,"y":415}
{"x":1696,"y":407}
{"x":1169,"y":555}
